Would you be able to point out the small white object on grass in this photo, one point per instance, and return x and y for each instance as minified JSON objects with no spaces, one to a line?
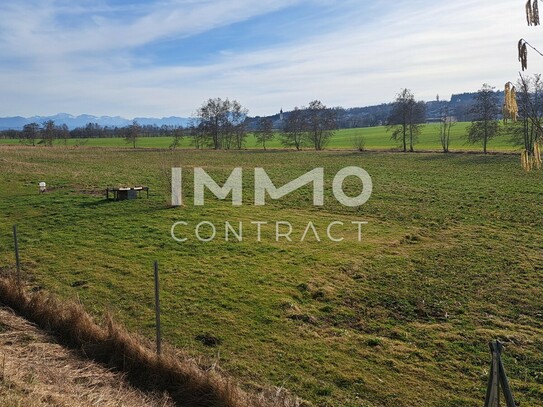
{"x":42,"y":187}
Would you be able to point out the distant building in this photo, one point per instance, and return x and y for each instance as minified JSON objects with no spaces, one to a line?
{"x":281,"y":114}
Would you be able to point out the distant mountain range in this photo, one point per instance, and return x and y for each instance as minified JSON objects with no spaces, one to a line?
{"x":17,"y":122}
{"x":347,"y":117}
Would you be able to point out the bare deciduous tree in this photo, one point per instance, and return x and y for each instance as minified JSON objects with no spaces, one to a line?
{"x":484,"y":125}
{"x":177,"y":133}
{"x":321,"y":122}
{"x":359,"y":142}
{"x":223,"y":123}
{"x":49,"y":133}
{"x":132,"y":133}
{"x":238,"y":116}
{"x":64,"y":133}
{"x":294,"y":129}
{"x":527,"y":132}
{"x":30,"y":133}
{"x":406,"y":119}
{"x":265,"y":131}
{"x":446,"y":122}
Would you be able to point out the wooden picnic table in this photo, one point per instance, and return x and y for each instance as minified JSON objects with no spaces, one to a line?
{"x":121,"y":193}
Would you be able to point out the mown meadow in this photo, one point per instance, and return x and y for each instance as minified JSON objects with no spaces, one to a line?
{"x":451,"y":258}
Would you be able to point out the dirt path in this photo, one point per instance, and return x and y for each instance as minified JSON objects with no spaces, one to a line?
{"x":35,"y":371}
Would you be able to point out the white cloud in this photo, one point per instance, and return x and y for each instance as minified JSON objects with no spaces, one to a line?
{"x":429,"y":47}
{"x":38,"y":31}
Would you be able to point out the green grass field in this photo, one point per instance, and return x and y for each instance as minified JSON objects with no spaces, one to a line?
{"x":450,"y":259}
{"x":375,"y":138}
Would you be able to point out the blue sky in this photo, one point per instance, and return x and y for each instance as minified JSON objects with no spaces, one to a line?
{"x":166,"y":57}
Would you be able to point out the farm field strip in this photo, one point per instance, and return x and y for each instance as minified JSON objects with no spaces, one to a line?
{"x":376,"y":138}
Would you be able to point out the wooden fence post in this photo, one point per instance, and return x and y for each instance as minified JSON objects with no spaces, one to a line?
{"x":17,"y":260}
{"x":497,"y":379}
{"x":157,"y":311}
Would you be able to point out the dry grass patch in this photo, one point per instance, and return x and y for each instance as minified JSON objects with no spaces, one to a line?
{"x":37,"y":371}
{"x":186,"y":383}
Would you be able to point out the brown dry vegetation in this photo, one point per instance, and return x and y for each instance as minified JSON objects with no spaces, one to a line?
{"x":32,"y":375}
{"x":36,"y":371}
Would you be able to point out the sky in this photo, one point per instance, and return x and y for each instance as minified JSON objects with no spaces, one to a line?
{"x":160,"y":58}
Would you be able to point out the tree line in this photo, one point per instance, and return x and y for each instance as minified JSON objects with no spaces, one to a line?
{"x":224,"y":124}
{"x":218,"y":124}
{"x":519,"y":116}
{"x":47,"y":132}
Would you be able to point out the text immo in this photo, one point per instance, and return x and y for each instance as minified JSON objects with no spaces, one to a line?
{"x":264,"y":186}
